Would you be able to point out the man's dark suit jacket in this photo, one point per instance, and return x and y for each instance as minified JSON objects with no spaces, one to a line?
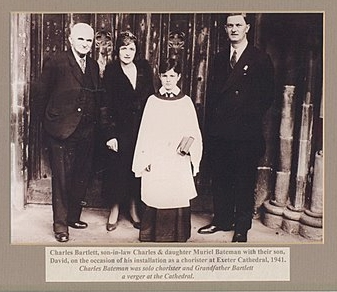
{"x":63,"y":95}
{"x":238,"y":98}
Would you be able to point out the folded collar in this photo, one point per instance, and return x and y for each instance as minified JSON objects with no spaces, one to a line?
{"x":175,"y":90}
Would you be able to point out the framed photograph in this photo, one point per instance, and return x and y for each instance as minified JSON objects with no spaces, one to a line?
{"x":282,"y":57}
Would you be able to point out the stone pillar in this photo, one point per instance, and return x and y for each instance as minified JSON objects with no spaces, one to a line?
{"x":20,"y":74}
{"x":266,"y":169}
{"x":275,"y":207}
{"x":311,"y":220}
{"x":294,"y":210}
{"x":264,"y":181}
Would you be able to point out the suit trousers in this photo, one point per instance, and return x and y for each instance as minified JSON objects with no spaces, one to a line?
{"x":234,"y":169}
{"x":71,"y":162}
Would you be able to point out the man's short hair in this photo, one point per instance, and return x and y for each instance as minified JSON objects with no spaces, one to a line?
{"x":243,"y":14}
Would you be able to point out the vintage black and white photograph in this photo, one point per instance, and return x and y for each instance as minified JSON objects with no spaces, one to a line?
{"x":167,"y":127}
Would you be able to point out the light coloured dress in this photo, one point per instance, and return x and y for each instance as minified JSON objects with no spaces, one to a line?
{"x":169,"y":184}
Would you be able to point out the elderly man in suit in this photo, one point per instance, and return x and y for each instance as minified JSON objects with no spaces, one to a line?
{"x":69,"y":99}
{"x":240,"y":92}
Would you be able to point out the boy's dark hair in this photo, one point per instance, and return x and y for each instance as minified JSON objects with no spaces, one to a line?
{"x":169,"y":64}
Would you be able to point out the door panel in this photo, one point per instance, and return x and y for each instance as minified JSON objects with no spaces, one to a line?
{"x":194,"y":39}
{"x":182,"y":36}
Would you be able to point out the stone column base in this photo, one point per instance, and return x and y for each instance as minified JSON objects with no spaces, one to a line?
{"x":291,"y":221}
{"x":272,"y":217}
{"x":263,"y":189}
{"x":311,"y":226}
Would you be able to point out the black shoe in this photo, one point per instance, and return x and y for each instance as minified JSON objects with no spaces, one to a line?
{"x":135,"y":224}
{"x":240,"y":237}
{"x":78,"y":225}
{"x":62,"y":236}
{"x":111,"y":226}
{"x":211,"y":228}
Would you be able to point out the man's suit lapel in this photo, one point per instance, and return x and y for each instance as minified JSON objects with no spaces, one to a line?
{"x":76,"y":70}
{"x":237,"y":72}
{"x":93,"y":71}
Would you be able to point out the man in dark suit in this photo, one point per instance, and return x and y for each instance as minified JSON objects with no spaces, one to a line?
{"x":240,"y":92}
{"x":69,"y":98}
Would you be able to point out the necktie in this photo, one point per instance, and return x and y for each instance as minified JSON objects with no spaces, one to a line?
{"x":233,"y":59}
{"x":82,"y":65}
{"x":169,"y":94}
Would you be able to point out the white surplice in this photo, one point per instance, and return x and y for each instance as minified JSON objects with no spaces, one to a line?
{"x":169,"y":183}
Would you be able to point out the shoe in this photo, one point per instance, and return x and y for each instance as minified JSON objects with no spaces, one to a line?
{"x":61,"y":236}
{"x":135,"y":224}
{"x":78,"y":225}
{"x":240,"y":237}
{"x":111,"y":226}
{"x":211,"y":228}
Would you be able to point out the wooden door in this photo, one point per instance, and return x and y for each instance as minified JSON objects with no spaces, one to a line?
{"x":193,"y":38}
{"x":183,"y":36}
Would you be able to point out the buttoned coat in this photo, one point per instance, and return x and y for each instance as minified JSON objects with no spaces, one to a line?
{"x":68,"y":103}
{"x":125,"y":106}
{"x":125,"y":103}
{"x":238,"y":98}
{"x":63,"y":95}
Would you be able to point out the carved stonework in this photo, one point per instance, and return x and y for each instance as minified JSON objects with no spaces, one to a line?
{"x":176,"y":43}
{"x":53,"y":38}
{"x":202,"y":41}
{"x":103,"y":46}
